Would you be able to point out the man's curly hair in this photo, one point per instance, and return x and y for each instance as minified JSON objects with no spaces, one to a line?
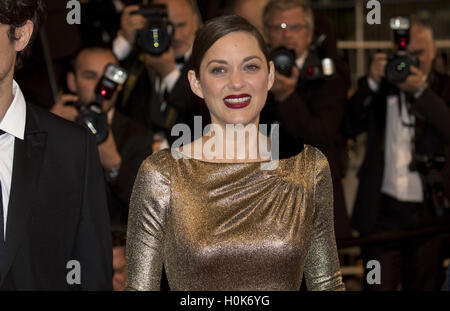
{"x":15,"y":13}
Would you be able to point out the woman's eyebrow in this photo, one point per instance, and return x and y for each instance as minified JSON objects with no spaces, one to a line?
{"x":251,"y":57}
{"x":220,"y":61}
{"x":224,"y":62}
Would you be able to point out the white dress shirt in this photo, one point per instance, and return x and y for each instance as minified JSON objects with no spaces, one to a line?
{"x":121,"y":47}
{"x":13,"y":124}
{"x":398,"y":181}
{"x":300,"y":61}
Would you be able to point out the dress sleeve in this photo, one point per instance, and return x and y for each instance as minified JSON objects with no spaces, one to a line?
{"x":146,"y":225}
{"x":322,"y":270}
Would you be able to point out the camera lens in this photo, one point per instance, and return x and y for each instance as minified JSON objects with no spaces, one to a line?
{"x":397,"y":69}
{"x":284,"y":60}
{"x":156,"y":37}
{"x":92,"y":118}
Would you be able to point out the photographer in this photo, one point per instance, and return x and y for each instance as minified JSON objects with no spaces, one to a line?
{"x":127,"y":144}
{"x":402,"y":120}
{"x":308,"y":108}
{"x":158,"y":95}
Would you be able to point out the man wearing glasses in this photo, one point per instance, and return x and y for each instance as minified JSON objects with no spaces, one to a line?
{"x":307,"y":107}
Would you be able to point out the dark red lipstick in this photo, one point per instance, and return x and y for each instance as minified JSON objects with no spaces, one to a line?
{"x":237,"y":101}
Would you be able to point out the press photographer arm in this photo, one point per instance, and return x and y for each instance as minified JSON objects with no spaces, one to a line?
{"x":129,"y":23}
{"x":284,"y":86}
{"x":109,"y":155}
{"x":163,"y":64}
{"x":415,"y":82}
{"x":63,"y":110}
{"x":429,"y":104}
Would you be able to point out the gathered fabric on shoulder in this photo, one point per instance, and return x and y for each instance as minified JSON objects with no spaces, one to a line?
{"x":233,"y":226}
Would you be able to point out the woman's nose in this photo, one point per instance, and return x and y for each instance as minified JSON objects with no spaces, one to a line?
{"x":236,"y":80}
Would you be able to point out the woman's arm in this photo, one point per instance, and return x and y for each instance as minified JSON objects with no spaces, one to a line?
{"x":322,"y":270}
{"x":146,"y":220}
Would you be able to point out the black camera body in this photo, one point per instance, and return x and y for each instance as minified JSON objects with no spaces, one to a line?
{"x":283,"y":60}
{"x":94,"y":119}
{"x":399,"y":63}
{"x":430,"y":167}
{"x":156,"y":37}
{"x":91,"y":116}
{"x":315,"y":66}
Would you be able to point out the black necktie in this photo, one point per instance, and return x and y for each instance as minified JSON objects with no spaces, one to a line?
{"x":2,"y":240}
{"x":180,"y":60}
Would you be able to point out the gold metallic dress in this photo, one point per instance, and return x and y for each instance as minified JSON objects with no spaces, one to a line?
{"x":232,"y":226}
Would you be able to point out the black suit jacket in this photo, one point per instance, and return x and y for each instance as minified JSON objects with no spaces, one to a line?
{"x":366,"y":111}
{"x":57,"y":209}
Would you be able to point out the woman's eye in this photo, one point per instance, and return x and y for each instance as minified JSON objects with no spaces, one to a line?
{"x":252,"y":67}
{"x":218,"y":70}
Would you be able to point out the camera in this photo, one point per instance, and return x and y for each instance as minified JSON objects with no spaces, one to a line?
{"x":91,"y":116}
{"x":156,"y":37}
{"x":284,"y":60}
{"x":113,"y":76}
{"x":315,"y":66}
{"x":430,"y":166}
{"x":399,"y":63}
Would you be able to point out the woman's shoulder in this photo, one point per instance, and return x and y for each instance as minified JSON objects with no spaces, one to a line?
{"x":302,"y":166}
{"x":307,"y":156}
{"x":313,"y":154}
{"x":160,"y":161}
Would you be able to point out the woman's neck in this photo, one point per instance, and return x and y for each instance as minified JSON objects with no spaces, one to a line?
{"x":230,"y":144}
{"x":6,"y":95}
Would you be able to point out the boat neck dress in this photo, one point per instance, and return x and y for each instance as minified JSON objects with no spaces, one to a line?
{"x":232,"y":226}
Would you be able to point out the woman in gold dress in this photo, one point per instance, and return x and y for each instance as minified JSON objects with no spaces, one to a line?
{"x":216,"y":222}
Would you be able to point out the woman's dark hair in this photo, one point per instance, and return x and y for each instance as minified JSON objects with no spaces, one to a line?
{"x":15,"y":13}
{"x":217,"y":28}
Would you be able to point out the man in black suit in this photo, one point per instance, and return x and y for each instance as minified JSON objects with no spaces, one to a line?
{"x":306,"y":108}
{"x":54,"y":229}
{"x":401,"y":120}
{"x":158,"y":93}
{"x":128,"y":142}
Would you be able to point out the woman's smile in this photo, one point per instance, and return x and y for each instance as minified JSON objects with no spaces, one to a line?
{"x":237,"y":101}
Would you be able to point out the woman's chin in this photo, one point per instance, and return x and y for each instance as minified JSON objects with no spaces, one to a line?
{"x":240,"y":120}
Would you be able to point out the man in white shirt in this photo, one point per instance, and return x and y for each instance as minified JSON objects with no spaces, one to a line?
{"x":402,"y":120}
{"x":53,"y":203}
